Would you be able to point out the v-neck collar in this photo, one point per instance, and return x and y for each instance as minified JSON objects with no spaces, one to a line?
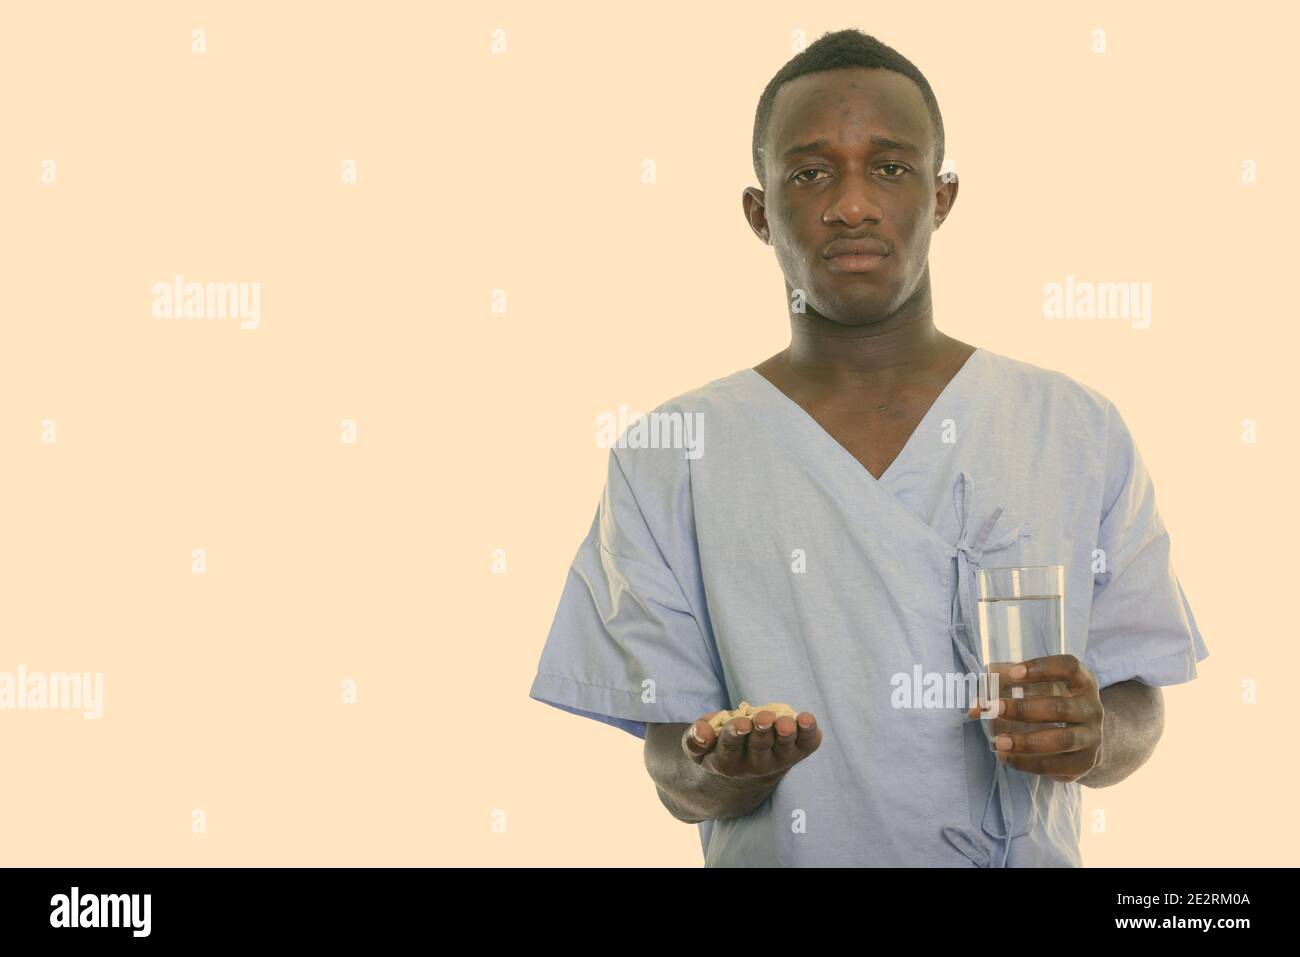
{"x":795,"y":413}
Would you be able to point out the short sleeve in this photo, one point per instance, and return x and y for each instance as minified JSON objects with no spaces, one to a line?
{"x":1141,"y":625}
{"x":625,"y":646}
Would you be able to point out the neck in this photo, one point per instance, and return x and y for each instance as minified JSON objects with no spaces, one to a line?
{"x":877,"y":355}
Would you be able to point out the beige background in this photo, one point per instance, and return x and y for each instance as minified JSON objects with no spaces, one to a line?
{"x":521,"y":171}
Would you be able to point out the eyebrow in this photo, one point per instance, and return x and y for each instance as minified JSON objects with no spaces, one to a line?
{"x":876,"y":140}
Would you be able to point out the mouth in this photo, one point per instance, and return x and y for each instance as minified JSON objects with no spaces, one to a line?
{"x":855,"y":254}
{"x":855,"y":262}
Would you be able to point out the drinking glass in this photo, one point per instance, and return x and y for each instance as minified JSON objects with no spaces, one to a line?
{"x":1021,"y":616}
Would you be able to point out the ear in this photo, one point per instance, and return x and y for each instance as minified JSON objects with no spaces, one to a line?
{"x":754,"y":204}
{"x":945,"y":195}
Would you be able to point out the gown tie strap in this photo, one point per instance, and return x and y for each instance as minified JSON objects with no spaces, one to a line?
{"x":969,"y":552}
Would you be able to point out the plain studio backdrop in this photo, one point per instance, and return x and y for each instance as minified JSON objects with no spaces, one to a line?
{"x":315,"y":560}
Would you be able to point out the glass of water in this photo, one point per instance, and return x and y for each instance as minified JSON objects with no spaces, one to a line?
{"x":1021,"y":616}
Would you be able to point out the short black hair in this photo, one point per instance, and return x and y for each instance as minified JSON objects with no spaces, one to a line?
{"x":834,"y":51}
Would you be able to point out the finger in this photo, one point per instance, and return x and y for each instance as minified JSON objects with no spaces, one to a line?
{"x":810,"y":734}
{"x":998,"y":726}
{"x":988,"y":711}
{"x":699,"y":739}
{"x":785,"y":747}
{"x":1074,"y":737}
{"x":1064,"y":668}
{"x":993,"y":728}
{"x":728,"y":755}
{"x":1058,"y":767}
{"x":997,"y":678}
{"x":758,"y":748}
{"x":1000,"y":684}
{"x":1049,"y":708}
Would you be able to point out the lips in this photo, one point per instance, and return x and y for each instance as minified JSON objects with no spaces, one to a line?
{"x":855,"y":247}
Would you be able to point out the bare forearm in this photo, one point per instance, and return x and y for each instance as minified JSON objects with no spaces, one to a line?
{"x":689,"y":792}
{"x":1133,"y":720}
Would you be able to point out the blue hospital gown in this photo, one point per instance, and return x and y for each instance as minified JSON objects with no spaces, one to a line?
{"x":768,"y":564}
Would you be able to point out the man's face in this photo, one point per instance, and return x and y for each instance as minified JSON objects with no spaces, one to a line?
{"x":833,"y":174}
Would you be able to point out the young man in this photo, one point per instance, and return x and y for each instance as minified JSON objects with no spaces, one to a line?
{"x":823,"y":538}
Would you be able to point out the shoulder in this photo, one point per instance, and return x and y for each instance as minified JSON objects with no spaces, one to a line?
{"x":1067,"y":402}
{"x":715,"y":395}
{"x":1088,"y":424}
{"x":655,"y":450}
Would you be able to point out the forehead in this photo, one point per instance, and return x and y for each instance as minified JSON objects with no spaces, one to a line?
{"x":846,"y":106}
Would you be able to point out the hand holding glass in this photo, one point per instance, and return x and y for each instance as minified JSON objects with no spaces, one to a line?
{"x":1021,"y":616}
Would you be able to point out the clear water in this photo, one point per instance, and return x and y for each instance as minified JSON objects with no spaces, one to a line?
{"x":1014,"y":630}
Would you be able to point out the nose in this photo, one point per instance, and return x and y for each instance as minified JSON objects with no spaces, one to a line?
{"x":853,"y":201}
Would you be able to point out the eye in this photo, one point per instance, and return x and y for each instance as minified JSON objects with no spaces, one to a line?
{"x":896,"y":166}
{"x":802,"y":172}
